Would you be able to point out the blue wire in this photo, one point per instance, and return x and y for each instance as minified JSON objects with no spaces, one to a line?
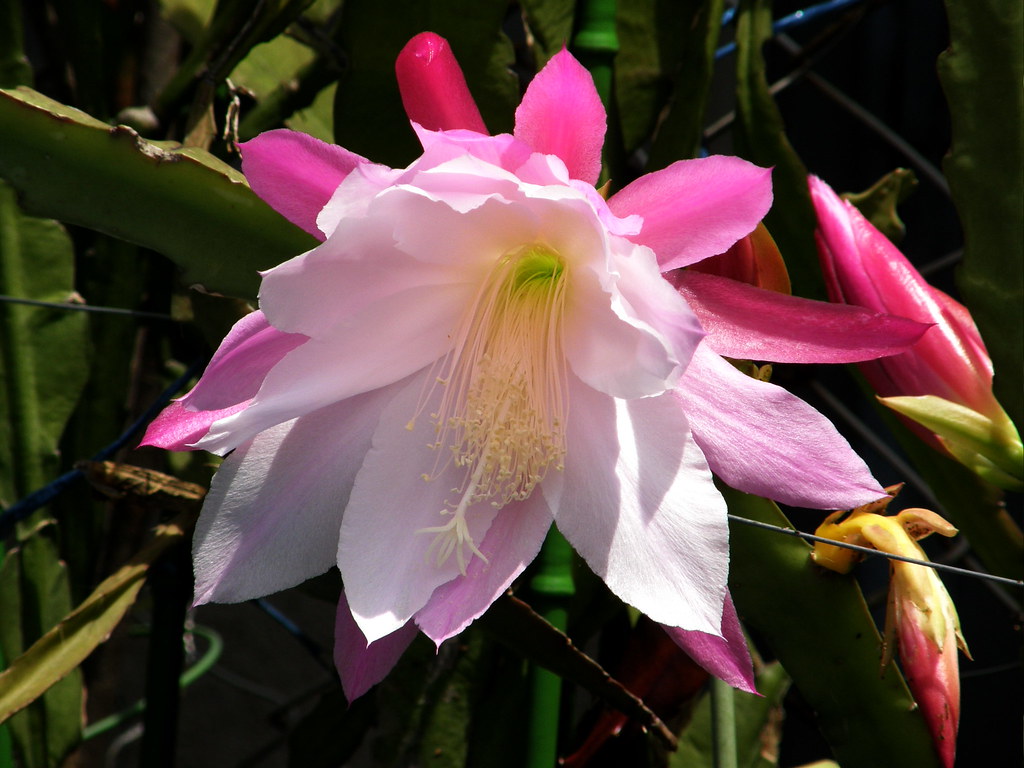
{"x":795,"y":19}
{"x":29,"y":504}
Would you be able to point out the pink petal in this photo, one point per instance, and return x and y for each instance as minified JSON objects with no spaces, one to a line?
{"x":387,"y":564}
{"x":273,"y":514}
{"x":233,"y":376}
{"x":726,"y":657}
{"x":361,"y":665}
{"x":696,"y":208}
{"x":386,"y":343}
{"x":561,"y":114}
{"x":637,"y":501}
{"x":433,"y":87}
{"x":296,"y":174}
{"x":754,"y":324}
{"x":511,"y":543}
{"x":762,"y":440}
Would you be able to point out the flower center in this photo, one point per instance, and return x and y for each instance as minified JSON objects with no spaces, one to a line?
{"x":503,"y":407}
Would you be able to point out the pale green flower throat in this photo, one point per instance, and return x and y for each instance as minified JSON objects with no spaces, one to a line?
{"x":503,"y":406}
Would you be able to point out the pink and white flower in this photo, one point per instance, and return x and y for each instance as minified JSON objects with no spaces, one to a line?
{"x":480,"y":346}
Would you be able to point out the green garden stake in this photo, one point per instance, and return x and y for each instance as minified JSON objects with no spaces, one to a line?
{"x":552,"y":587}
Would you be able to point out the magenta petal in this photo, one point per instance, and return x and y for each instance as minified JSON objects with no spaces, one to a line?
{"x":296,"y":174}
{"x":178,"y":428}
{"x":362,"y":666}
{"x":754,"y":324}
{"x":433,"y":87}
{"x":696,"y":208}
{"x":510,"y":544}
{"x":763,"y":440}
{"x":726,"y":657}
{"x":233,"y":376}
{"x":561,"y":114}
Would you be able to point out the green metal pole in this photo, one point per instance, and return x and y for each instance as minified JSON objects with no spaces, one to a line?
{"x":552,"y":586}
{"x":596,"y":44}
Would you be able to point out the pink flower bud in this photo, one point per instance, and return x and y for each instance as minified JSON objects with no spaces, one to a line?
{"x":864,"y":268}
{"x":433,"y":87}
{"x":949,"y":365}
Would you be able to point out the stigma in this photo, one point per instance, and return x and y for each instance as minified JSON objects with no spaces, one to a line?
{"x":503,"y":404}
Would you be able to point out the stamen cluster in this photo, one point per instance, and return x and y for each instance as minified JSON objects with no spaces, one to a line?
{"x":503,"y":410}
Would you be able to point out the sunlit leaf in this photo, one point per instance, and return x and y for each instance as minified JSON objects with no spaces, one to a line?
{"x":183,"y":203}
{"x":234,"y":29}
{"x":318,"y":118}
{"x":77,"y":634}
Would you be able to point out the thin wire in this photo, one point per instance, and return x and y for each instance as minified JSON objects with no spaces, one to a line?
{"x":40,"y":498}
{"x":941,"y":263}
{"x":870,"y":551}
{"x":904,"y":469}
{"x":87,"y":308}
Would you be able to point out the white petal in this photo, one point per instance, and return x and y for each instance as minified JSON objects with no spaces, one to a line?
{"x":387,"y":563}
{"x":354,"y":195}
{"x":437,"y":234}
{"x":330,"y":286}
{"x":638,"y":503}
{"x":272,"y":517}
